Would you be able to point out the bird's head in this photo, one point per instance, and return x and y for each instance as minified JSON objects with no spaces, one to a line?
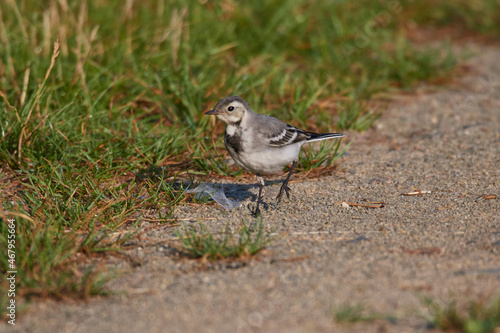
{"x":231,"y":110}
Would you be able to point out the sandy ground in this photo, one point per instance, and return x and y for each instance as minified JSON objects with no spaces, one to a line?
{"x":444,"y":244}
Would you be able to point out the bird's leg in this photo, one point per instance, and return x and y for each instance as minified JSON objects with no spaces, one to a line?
{"x":285,"y":187}
{"x":261,"y":186}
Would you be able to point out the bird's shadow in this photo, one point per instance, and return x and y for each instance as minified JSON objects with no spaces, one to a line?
{"x":244,"y":194}
{"x":241,"y":193}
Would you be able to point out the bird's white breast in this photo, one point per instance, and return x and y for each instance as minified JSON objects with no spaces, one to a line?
{"x":270,"y":161}
{"x":255,"y":153}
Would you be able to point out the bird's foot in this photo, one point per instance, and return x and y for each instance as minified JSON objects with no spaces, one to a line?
{"x":285,"y":189}
{"x":256,"y":212}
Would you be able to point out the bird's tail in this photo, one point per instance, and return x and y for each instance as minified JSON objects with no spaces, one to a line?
{"x":318,"y":137}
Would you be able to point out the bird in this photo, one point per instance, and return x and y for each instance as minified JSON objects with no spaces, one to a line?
{"x":260,"y":143}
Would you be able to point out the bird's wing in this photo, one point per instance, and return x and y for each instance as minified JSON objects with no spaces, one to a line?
{"x":276,"y":133}
{"x":288,"y":135}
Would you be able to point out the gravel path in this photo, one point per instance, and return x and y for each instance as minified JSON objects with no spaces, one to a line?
{"x":442,"y":244}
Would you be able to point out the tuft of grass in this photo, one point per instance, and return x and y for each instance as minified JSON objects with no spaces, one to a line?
{"x":45,"y":262}
{"x":64,"y":221}
{"x":353,"y":115}
{"x":210,"y":158}
{"x":202,"y":243}
{"x":354,"y":314}
{"x":474,"y":16}
{"x":324,"y":156}
{"x":477,"y":317}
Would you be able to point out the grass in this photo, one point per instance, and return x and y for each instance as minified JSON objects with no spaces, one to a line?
{"x":45,"y":261}
{"x":349,"y":314}
{"x":202,"y":243}
{"x":324,"y":156}
{"x":472,"y":16}
{"x":469,"y":317}
{"x":101,"y":103}
{"x":353,"y":314}
{"x":476,"y":317}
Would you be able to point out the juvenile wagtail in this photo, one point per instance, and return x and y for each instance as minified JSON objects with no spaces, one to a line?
{"x":260,"y":143}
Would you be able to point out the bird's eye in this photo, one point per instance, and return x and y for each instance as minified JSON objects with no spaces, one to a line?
{"x":231,"y":108}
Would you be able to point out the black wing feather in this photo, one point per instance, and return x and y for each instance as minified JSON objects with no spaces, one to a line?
{"x":292,"y":135}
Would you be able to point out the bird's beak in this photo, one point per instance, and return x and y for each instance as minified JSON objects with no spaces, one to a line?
{"x":213,"y":112}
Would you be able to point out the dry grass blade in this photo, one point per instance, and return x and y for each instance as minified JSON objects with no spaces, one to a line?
{"x":487,"y":197}
{"x":25,"y":84}
{"x":416,"y":193}
{"x":39,"y":93}
{"x":55,"y":54}
{"x":24,"y":216}
{"x":290,"y":259}
{"x":352,"y":204}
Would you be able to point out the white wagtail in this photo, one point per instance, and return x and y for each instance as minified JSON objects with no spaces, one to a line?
{"x":260,"y":143}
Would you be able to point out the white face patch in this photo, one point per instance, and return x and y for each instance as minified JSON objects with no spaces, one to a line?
{"x":235,"y":116}
{"x":230,"y":130}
